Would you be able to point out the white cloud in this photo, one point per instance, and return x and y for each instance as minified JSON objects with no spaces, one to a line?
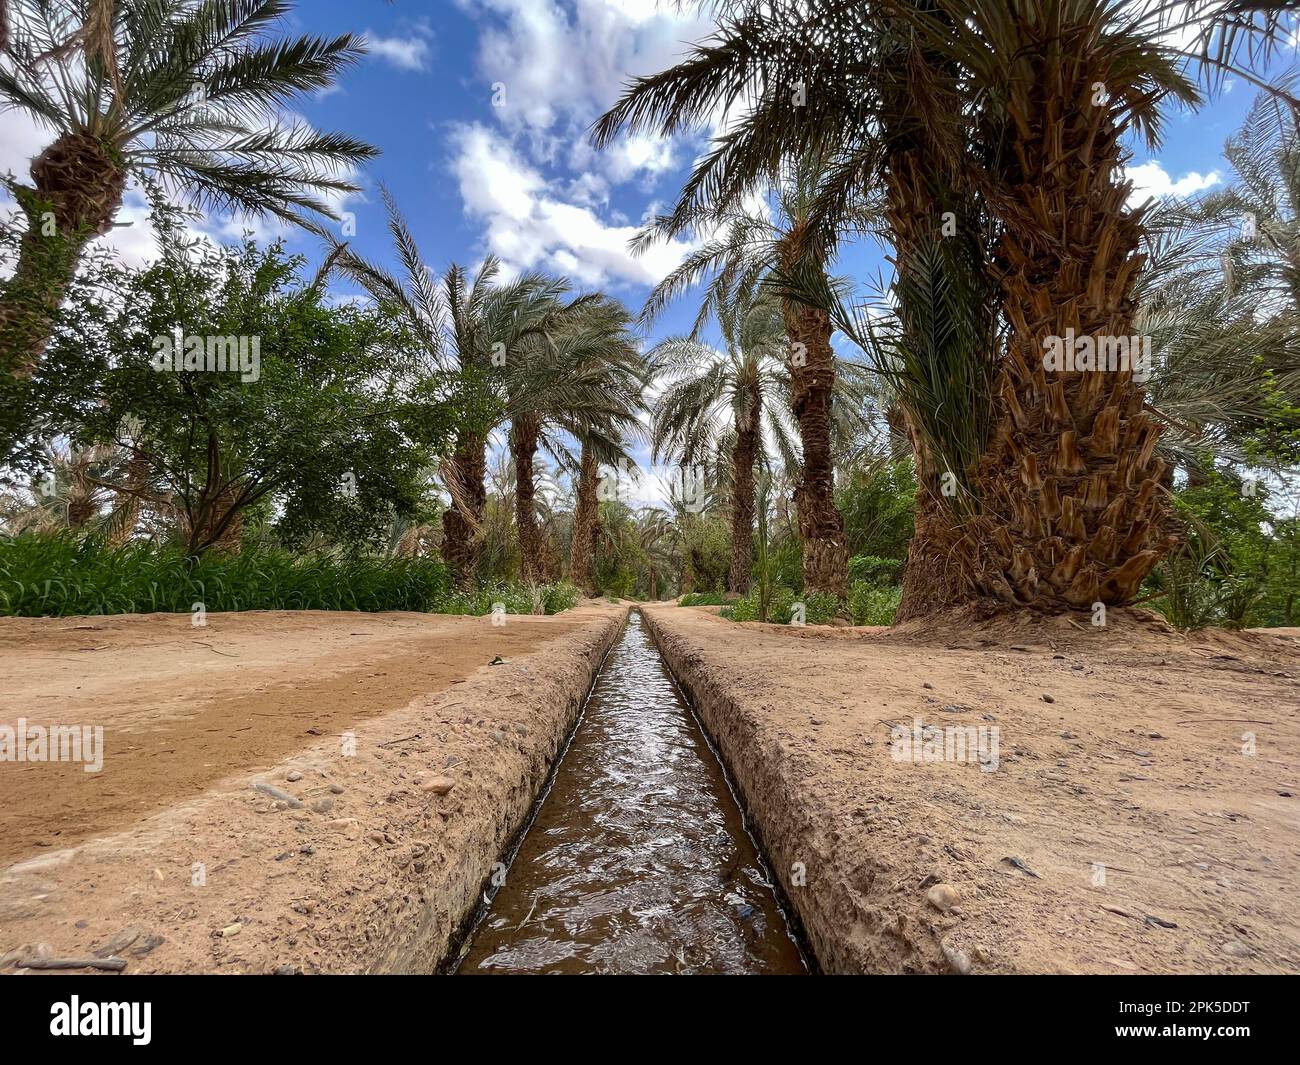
{"x":1151,"y":180}
{"x":404,"y":53}
{"x":572,"y":60}
{"x":530,"y":226}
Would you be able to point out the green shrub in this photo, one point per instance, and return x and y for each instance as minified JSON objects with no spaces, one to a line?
{"x":870,"y":604}
{"x":819,"y":608}
{"x":874,"y":570}
{"x":61,"y":575}
{"x":702,"y":599}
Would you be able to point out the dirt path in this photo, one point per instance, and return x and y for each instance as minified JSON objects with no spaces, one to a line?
{"x":1145,"y":819}
{"x":353,"y":832}
{"x":182,"y":706}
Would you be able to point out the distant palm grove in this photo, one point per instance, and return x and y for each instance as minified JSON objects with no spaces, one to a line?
{"x":1058,"y":398}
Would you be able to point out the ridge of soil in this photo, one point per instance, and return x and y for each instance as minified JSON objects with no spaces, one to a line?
{"x":375,"y":858}
{"x":1125,"y":828}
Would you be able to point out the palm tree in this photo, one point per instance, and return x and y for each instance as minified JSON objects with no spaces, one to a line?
{"x":1009,"y":106}
{"x":521,"y":354}
{"x":580,"y":375}
{"x":175,"y":94}
{"x":745,"y":388}
{"x":749,"y":250}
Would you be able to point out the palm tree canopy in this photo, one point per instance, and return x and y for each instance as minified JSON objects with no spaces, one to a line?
{"x":188,"y":94}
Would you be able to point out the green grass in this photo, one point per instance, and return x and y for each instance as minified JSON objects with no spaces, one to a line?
{"x":59,"y":576}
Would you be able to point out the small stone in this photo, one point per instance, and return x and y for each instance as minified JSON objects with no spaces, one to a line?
{"x":83,"y":923}
{"x":522,"y":730}
{"x":451,"y":761}
{"x":308,"y":850}
{"x":928,"y":685}
{"x":981,"y":954}
{"x":1235,"y":948}
{"x":349,"y":826}
{"x":287,"y":970}
{"x":438,"y":785}
{"x":1048,"y":698}
{"x":231,"y":930}
{"x":336,"y":789}
{"x":943,"y":897}
{"x":956,"y":958}
{"x":323,"y":806}
{"x":293,"y":776}
{"x":375,"y":837}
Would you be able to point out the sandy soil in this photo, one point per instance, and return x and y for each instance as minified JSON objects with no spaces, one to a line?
{"x":363,"y":861}
{"x":1125,"y":828}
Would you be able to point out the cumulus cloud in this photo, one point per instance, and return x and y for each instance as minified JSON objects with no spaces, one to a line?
{"x":404,"y":53}
{"x":1151,"y":180}
{"x":529,"y":224}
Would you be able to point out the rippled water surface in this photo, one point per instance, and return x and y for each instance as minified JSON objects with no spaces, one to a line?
{"x":638,"y":861}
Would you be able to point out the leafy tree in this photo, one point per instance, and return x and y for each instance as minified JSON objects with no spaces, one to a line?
{"x":330,"y":412}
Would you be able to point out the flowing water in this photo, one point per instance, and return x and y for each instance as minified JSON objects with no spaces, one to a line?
{"x":638,"y":860}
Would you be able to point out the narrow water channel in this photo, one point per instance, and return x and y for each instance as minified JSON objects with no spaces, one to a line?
{"x":638,"y":860}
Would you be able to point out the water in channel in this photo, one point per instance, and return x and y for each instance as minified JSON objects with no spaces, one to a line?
{"x":638,"y":860}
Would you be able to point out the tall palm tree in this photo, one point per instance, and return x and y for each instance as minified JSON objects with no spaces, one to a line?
{"x":1062,"y":505}
{"x":744,"y":388}
{"x":579,"y":375}
{"x":173,"y":93}
{"x":749,"y":250}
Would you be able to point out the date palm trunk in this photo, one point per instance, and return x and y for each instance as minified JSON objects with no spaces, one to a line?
{"x":812,"y":381}
{"x":582,"y":549}
{"x":465,"y":475}
{"x":77,"y":189}
{"x":1072,"y":508}
{"x":742,"y":494}
{"x":523,"y":445}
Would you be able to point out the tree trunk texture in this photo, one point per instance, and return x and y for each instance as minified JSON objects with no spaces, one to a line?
{"x":1072,"y":508}
{"x":78,"y":189}
{"x":583,"y":546}
{"x":466,"y":474}
{"x":523,"y":442}
{"x":825,"y":553}
{"x":742,"y":494}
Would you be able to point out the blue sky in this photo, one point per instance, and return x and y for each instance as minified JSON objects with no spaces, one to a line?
{"x":519,"y":180}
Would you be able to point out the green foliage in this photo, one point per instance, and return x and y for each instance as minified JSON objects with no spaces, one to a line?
{"x":519,"y":598}
{"x":820,"y":608}
{"x":871,"y":604}
{"x":338,"y":420}
{"x":874,"y":570}
{"x":59,"y":576}
{"x":707,"y":554}
{"x":702,"y":599}
{"x":878,"y":507}
{"x":1241,"y":565}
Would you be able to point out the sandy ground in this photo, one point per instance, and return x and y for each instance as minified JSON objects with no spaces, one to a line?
{"x":403,"y":761}
{"x":1143,"y":815}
